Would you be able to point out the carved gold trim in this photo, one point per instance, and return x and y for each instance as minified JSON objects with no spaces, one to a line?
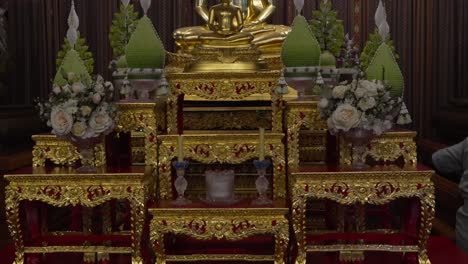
{"x":224,"y":147}
{"x":232,"y":224}
{"x":223,"y":86}
{"x":378,"y":187}
{"x":221,"y":257}
{"x":351,"y":247}
{"x":387,"y":148}
{"x":144,"y":117}
{"x":302,"y":114}
{"x":61,"y":152}
{"x":89,"y":190}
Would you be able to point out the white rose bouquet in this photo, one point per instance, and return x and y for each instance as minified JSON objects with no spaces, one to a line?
{"x":79,"y":109}
{"x":360,"y":104}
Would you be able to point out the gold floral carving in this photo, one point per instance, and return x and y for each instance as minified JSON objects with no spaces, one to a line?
{"x":88,"y":190}
{"x":369,"y":187}
{"x":387,"y":148}
{"x":226,"y":120}
{"x":222,"y":148}
{"x":302,"y":114}
{"x":141,"y":116}
{"x":61,"y":152}
{"x":230,"y":224}
{"x":224,"y":86}
{"x":223,"y":257}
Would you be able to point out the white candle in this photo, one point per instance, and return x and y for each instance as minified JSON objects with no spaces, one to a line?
{"x":180,"y":149}
{"x":262,"y":144}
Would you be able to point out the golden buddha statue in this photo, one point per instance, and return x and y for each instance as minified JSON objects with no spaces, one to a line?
{"x":268,"y":38}
{"x":224,"y":46}
{"x":225,"y":22}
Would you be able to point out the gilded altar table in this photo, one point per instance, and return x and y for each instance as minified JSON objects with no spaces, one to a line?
{"x":300,"y":115}
{"x":62,"y":187}
{"x":387,"y":148}
{"x":61,"y":152}
{"x":231,"y":223}
{"x":377,"y":186}
{"x":222,"y":147}
{"x":144,"y":117}
{"x":234,"y":86}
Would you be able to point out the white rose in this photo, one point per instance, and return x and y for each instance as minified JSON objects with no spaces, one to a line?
{"x":96,"y":98}
{"x":345,"y":117}
{"x":66,"y":88}
{"x":360,"y":92}
{"x":367,"y":103}
{"x":61,"y":121}
{"x":99,"y":89}
{"x":370,"y":87}
{"x":100,"y":122}
{"x":78,"y":87}
{"x":72,"y":110}
{"x":109,"y":85}
{"x":339,"y":91}
{"x":79,"y":129}
{"x":56,"y":90}
{"x":323,"y":103}
{"x":86,"y":110}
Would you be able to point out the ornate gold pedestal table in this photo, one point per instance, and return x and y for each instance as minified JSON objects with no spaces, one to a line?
{"x":61,"y":152}
{"x":377,"y":186}
{"x":223,"y":147}
{"x":142,"y":117}
{"x":300,"y":115}
{"x":62,"y":187}
{"x":232,"y":223}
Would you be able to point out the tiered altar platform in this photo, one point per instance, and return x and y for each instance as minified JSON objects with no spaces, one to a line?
{"x":322,"y":213}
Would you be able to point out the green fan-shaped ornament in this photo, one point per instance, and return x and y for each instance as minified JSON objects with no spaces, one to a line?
{"x":301,"y":48}
{"x":71,"y":63}
{"x":384,"y":67}
{"x":145,"y":50}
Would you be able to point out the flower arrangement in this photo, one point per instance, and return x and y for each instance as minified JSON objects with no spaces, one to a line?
{"x":360,"y":104}
{"x":79,"y":109}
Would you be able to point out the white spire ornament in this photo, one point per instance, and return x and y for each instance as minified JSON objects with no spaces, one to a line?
{"x":380,"y":14}
{"x":299,"y":5}
{"x":145,"y":4}
{"x":73,"y":24}
{"x":381,"y":21}
{"x":125,"y":3}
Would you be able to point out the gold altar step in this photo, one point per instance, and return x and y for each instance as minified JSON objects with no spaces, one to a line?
{"x":222,"y":149}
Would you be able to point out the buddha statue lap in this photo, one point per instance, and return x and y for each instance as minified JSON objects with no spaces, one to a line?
{"x":223,"y":46}
{"x":268,"y":38}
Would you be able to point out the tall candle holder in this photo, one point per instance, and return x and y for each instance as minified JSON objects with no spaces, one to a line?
{"x":180,"y":183}
{"x":262,"y":183}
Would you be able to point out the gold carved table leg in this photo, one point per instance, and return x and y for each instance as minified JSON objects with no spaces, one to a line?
{"x":138,"y":220}
{"x":298,"y":221}
{"x":39,"y":156}
{"x":281,"y":243}
{"x":157,"y":242}
{"x":12,"y":202}
{"x":279,"y":171}
{"x":427,"y":217}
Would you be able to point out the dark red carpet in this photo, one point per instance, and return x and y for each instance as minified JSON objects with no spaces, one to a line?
{"x":441,"y":251}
